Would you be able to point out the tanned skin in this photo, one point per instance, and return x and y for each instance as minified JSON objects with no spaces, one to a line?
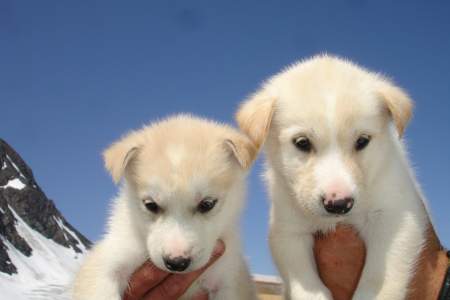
{"x":340,"y":259}
{"x":151,"y":283}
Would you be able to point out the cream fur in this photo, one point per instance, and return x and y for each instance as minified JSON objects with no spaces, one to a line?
{"x":176,"y":162}
{"x":332,"y":102}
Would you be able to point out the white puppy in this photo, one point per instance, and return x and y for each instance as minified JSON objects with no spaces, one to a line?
{"x":334,"y":155}
{"x":183,"y":190}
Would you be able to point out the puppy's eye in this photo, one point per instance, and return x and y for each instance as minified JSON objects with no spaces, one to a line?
{"x":151,"y":205}
{"x":362,"y":142}
{"x":206,"y":205}
{"x":303,"y":144}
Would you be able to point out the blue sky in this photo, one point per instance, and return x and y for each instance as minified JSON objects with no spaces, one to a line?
{"x":76,"y":75}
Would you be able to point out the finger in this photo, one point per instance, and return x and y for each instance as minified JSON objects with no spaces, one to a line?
{"x":144,"y":279}
{"x":176,"y":285}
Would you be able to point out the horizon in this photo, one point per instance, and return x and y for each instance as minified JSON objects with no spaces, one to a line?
{"x":77,"y":76}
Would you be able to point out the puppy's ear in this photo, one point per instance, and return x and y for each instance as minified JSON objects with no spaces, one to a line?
{"x":119,"y":154}
{"x":242,"y":150}
{"x":398,"y":103}
{"x":255,"y":116}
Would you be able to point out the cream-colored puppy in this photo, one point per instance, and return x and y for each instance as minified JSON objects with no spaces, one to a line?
{"x":183,"y":190}
{"x":332,"y":133}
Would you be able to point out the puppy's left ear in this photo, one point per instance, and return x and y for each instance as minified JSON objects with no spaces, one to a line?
{"x":398,"y":103}
{"x":254,"y":117}
{"x":119,"y":155}
{"x":242,"y":150}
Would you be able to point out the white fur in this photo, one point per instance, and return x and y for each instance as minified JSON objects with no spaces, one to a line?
{"x":181,"y":176}
{"x":332,"y":102}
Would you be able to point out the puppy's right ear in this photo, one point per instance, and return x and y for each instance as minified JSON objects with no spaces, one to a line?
{"x":119,"y":155}
{"x":242,"y":149}
{"x":398,"y":103}
{"x":255,"y":116}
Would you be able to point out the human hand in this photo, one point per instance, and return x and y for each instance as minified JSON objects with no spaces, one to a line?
{"x":340,"y":258}
{"x":149,"y":282}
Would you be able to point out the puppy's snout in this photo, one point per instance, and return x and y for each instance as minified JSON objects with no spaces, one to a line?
{"x":338,"y":206}
{"x":177,"y":264}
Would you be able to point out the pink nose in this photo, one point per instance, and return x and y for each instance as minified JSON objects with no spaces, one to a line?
{"x":338,"y":201}
{"x":336,"y":195}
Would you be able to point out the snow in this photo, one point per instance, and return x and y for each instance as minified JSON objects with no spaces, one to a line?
{"x":50,"y":292}
{"x":46,"y":274}
{"x":12,"y":290}
{"x":2,"y":211}
{"x":4,"y":166}
{"x":15,"y":184}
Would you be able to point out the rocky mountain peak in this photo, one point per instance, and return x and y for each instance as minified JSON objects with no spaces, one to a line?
{"x":23,"y":203}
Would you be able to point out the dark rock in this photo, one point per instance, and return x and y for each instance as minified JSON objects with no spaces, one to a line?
{"x":33,"y":207}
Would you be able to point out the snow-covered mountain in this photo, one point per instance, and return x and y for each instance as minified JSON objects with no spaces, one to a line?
{"x":39,"y":249}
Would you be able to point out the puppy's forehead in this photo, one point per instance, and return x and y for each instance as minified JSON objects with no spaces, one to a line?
{"x":323,"y":108}
{"x":183,"y":168}
{"x":176,"y":154}
{"x":327,"y":99}
{"x":162,"y":188}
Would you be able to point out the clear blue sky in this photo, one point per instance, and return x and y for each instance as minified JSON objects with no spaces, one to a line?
{"x":75,"y":75}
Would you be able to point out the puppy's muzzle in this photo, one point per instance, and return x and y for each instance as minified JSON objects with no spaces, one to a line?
{"x":177,"y":264}
{"x":338,"y":206}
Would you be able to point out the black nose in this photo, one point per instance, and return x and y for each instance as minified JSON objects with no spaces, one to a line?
{"x":339,"y":206}
{"x":177,"y":264}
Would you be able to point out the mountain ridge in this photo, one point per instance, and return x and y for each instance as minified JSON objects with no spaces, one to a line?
{"x":38,"y":246}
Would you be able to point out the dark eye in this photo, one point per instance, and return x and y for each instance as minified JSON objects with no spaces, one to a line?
{"x":206,"y":205}
{"x":362,"y":142}
{"x":152,"y":206}
{"x":303,"y":144}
